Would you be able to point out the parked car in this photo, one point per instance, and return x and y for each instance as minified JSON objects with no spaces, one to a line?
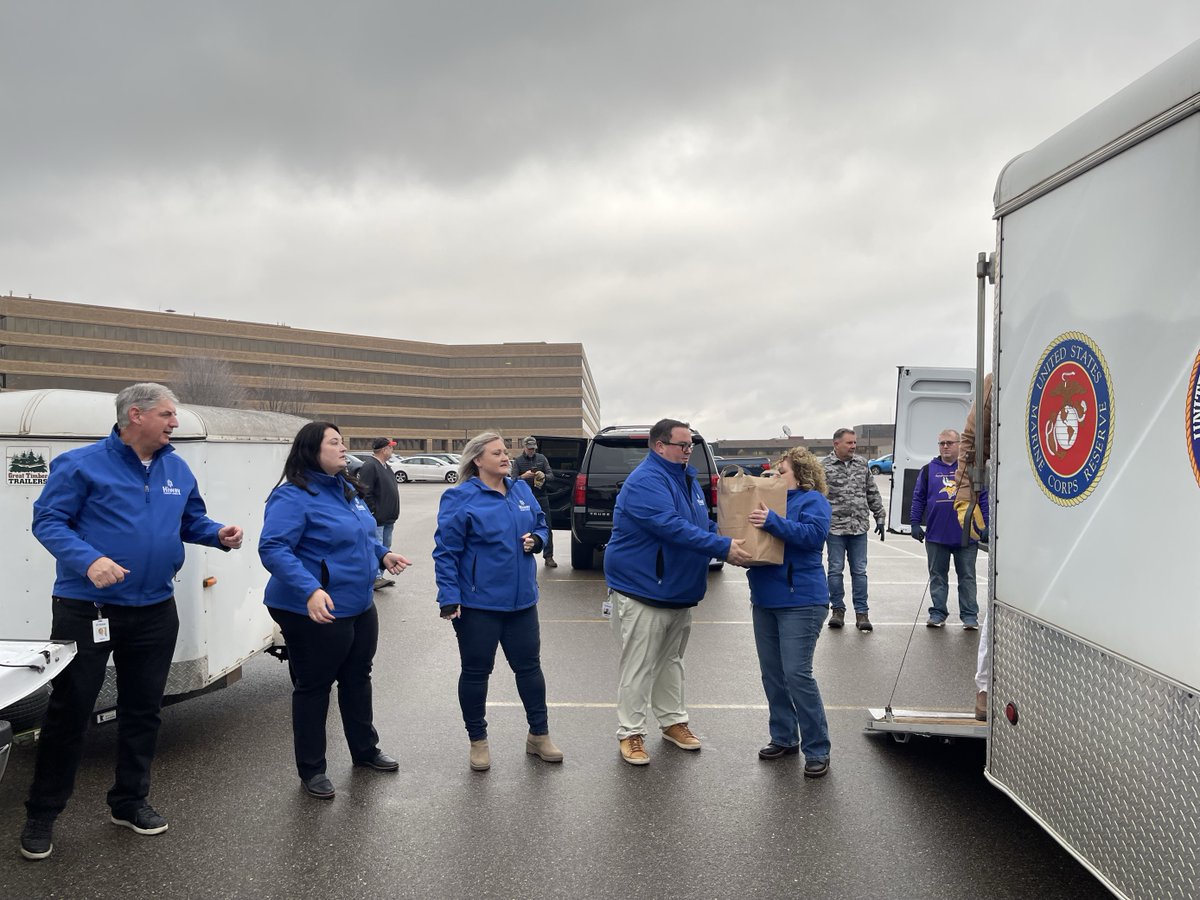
{"x":425,"y":468}
{"x":751,"y":465}
{"x":588,"y":473}
{"x":881,"y":466}
{"x":453,"y":458}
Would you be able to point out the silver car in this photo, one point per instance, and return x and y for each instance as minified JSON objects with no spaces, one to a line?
{"x":425,"y":468}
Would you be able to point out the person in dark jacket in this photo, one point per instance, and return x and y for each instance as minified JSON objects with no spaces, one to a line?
{"x":534,"y":469}
{"x":489,"y":528}
{"x":789,"y":604}
{"x":318,"y":542}
{"x":381,"y":494}
{"x":935,"y":523}
{"x":656,"y":566}
{"x":114,"y":515}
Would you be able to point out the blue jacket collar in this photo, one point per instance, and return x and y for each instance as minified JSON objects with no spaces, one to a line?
{"x":119,"y":446}
{"x":677,"y":470}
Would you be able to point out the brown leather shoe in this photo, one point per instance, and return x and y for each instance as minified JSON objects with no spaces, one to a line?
{"x":481,"y":757}
{"x":542,"y":747}
{"x":633,"y":750}
{"x":981,"y":706}
{"x":681,"y":736}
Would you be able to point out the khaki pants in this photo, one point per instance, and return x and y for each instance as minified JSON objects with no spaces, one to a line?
{"x":653,"y":640}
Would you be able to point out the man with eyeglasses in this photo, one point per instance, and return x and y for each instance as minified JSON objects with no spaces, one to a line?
{"x":854,"y":498}
{"x":935,"y":523}
{"x":656,"y":567}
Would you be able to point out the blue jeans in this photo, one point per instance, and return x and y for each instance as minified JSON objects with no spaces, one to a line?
{"x":786,"y":640}
{"x":939,"y":556}
{"x":838,"y":547}
{"x":383,"y":534}
{"x":479,"y":632}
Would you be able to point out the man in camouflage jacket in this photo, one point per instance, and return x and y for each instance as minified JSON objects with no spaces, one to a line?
{"x":854,"y":498}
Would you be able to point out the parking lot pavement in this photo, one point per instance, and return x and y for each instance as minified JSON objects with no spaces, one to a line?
{"x":890,"y":820}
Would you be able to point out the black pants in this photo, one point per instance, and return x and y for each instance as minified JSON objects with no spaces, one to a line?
{"x":142,"y":644}
{"x":480,"y":632}
{"x":319,"y":655}
{"x":543,"y":500}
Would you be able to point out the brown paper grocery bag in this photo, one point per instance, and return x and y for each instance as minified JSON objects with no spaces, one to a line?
{"x":737,"y":496}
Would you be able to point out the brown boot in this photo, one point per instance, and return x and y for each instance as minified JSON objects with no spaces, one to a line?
{"x":981,"y":706}
{"x":862,"y":623}
{"x":481,"y":757}
{"x":837,"y":618}
{"x":542,"y":747}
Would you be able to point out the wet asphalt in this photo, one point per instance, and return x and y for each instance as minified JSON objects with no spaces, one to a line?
{"x":911,"y":820}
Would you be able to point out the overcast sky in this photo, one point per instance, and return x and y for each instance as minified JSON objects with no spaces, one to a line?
{"x":749,"y":213}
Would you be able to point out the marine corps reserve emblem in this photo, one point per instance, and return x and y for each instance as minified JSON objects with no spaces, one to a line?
{"x":1069,"y":418}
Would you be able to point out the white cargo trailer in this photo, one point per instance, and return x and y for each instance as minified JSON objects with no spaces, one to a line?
{"x":1095,"y":486}
{"x":929,"y":399}
{"x":236,"y":455}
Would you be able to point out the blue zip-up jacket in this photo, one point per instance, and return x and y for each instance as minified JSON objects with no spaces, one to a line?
{"x":662,"y":537}
{"x":478,"y":560}
{"x":100,"y":500}
{"x":323,"y":541}
{"x":933,"y":503}
{"x":800,"y":580}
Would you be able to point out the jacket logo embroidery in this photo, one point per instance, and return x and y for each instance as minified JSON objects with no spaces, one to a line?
{"x":170,"y":489}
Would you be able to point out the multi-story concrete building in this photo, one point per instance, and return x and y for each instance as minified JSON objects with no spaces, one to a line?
{"x":426,"y":396}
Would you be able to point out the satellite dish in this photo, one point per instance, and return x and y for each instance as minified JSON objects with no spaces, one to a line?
{"x":787,"y":432}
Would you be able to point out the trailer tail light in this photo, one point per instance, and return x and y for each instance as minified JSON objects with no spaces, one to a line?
{"x":210,"y":581}
{"x":580,"y":498}
{"x":1010,"y":712}
{"x":714,"y":480}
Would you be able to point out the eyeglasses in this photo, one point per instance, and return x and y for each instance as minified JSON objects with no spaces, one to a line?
{"x":685,"y":446}
{"x":947,"y":443}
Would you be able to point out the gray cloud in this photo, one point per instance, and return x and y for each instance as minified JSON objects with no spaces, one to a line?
{"x":664,"y":181}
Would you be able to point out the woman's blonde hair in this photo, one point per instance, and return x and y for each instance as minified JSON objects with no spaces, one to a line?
{"x":474,"y":449}
{"x":810,"y":474}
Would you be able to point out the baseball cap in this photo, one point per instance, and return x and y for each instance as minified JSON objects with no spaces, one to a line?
{"x":380,"y":443}
{"x":530,"y":442}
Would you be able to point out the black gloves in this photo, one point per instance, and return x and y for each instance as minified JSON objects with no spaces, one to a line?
{"x":449,"y":609}
{"x":918,"y":533}
{"x":879,"y":529}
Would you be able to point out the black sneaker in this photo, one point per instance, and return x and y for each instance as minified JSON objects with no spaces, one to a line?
{"x":815,"y":768}
{"x":935,"y":623}
{"x":837,"y":617}
{"x":777,"y":751}
{"x":37,"y":839}
{"x":143,"y":821}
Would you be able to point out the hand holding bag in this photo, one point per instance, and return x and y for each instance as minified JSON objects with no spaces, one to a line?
{"x":737,"y":496}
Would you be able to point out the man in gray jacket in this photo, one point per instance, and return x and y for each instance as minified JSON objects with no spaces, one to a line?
{"x":854,"y":498}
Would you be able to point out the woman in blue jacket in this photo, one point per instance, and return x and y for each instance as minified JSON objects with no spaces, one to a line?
{"x":790,"y":602}
{"x":318,"y":542}
{"x":490,"y":528}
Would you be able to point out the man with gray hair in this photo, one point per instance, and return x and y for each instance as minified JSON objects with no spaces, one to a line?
{"x":114,"y":515}
{"x":935,"y":523}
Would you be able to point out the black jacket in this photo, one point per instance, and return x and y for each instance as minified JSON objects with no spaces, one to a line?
{"x":382,"y":495}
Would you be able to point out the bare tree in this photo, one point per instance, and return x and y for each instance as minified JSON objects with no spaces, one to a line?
{"x":207,"y":381}
{"x":282,"y":392}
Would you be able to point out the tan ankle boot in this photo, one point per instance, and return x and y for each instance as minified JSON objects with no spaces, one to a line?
{"x":481,"y":757}
{"x":541,"y":746}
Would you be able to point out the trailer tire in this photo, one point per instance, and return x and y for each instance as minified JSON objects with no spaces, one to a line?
{"x":28,"y":712}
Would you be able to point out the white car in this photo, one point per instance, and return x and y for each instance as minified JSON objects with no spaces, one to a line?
{"x":425,"y":468}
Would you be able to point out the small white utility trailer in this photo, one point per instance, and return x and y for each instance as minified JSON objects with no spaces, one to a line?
{"x":236,"y":455}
